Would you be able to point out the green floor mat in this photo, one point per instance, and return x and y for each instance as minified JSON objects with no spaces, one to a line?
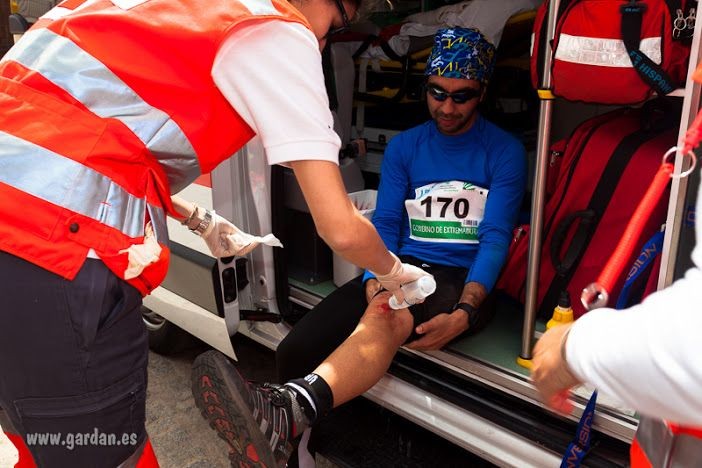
{"x":501,"y":341}
{"x":322,"y":289}
{"x":498,"y":344}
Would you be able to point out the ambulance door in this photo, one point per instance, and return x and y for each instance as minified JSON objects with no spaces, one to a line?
{"x":188,"y":298}
{"x":241,"y":192}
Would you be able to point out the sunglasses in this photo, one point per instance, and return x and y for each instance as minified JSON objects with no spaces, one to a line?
{"x":459,"y":97}
{"x":344,"y":18}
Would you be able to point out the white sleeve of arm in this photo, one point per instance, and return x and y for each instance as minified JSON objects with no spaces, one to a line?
{"x":648,"y":356}
{"x":271,"y":73}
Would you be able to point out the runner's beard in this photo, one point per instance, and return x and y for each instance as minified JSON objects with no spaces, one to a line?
{"x":450,"y":124}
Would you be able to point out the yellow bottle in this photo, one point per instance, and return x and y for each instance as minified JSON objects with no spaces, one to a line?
{"x":563,"y":313}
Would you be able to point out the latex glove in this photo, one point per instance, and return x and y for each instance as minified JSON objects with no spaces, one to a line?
{"x":401,"y":273}
{"x":142,"y":255}
{"x":226,"y":240}
{"x":373,"y":287}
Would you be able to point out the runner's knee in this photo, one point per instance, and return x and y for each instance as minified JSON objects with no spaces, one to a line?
{"x":395,"y":324}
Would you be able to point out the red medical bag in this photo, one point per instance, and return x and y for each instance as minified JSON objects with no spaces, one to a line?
{"x":603,"y":171}
{"x":615,"y":51}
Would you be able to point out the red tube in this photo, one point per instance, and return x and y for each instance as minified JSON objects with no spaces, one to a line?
{"x":693,"y":136}
{"x":620,"y":257}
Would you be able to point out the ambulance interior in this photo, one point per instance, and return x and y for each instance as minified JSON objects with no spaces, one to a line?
{"x":376,"y":94}
{"x":391,"y":102}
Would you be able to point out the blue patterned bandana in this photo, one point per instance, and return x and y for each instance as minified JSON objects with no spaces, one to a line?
{"x":461,"y":53}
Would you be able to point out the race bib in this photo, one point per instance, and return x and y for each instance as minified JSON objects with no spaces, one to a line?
{"x":447,"y":212}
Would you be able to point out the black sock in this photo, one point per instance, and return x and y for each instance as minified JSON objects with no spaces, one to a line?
{"x":314,"y":396}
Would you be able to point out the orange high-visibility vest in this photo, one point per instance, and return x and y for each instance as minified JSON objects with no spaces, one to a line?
{"x":659,"y":445}
{"x":107,"y":108}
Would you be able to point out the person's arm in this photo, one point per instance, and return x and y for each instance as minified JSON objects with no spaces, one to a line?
{"x":222,"y":237}
{"x":182,"y":207}
{"x":474,"y":294}
{"x":647,"y":356}
{"x":337,"y":221}
{"x":390,"y":204}
{"x":279,"y":92}
{"x":281,"y":95}
{"x":501,"y":211}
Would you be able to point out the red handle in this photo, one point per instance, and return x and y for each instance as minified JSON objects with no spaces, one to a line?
{"x":618,"y":260}
{"x":693,"y":136}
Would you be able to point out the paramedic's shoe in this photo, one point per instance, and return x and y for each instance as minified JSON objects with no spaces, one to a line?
{"x":257,"y":421}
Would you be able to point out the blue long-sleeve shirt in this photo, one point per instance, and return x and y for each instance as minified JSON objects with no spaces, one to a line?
{"x":486,"y":156}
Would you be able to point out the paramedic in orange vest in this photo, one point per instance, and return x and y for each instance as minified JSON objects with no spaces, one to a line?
{"x":107,"y":108}
{"x":648,"y":356}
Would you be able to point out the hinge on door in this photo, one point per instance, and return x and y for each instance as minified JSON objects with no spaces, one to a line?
{"x":260,"y":315}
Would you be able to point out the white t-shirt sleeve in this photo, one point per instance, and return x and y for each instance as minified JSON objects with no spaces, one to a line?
{"x":271,"y":73}
{"x":648,"y":356}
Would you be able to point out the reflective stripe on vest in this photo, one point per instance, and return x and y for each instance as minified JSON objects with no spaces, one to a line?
{"x":113,"y":101}
{"x":24,"y":166}
{"x":664,"y":446}
{"x":156,"y":130}
{"x":603,"y":52}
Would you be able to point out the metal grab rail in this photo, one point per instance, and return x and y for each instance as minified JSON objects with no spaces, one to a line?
{"x":679,"y":186}
{"x":539,"y":190}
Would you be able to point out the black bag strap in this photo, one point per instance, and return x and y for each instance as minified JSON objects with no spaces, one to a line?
{"x":650,"y":72}
{"x":582,"y":144}
{"x":596,"y":208}
{"x":587,"y":219}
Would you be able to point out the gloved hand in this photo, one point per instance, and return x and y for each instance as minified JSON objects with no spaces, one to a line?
{"x":142,"y":255}
{"x":401,"y":273}
{"x":226,"y":240}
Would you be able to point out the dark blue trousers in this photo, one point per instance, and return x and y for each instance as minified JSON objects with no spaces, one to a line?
{"x":73,"y":357}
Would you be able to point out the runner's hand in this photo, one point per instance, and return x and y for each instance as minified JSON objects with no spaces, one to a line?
{"x":439,"y":330}
{"x":401,"y":273}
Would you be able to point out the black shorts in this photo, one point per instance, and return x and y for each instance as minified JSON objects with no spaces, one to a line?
{"x":324,"y":328}
{"x":449,"y":287}
{"x":73,"y":357}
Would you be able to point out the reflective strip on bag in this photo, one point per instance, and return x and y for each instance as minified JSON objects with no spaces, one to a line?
{"x":85,"y":78}
{"x":76,"y":187}
{"x":603,"y":52}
